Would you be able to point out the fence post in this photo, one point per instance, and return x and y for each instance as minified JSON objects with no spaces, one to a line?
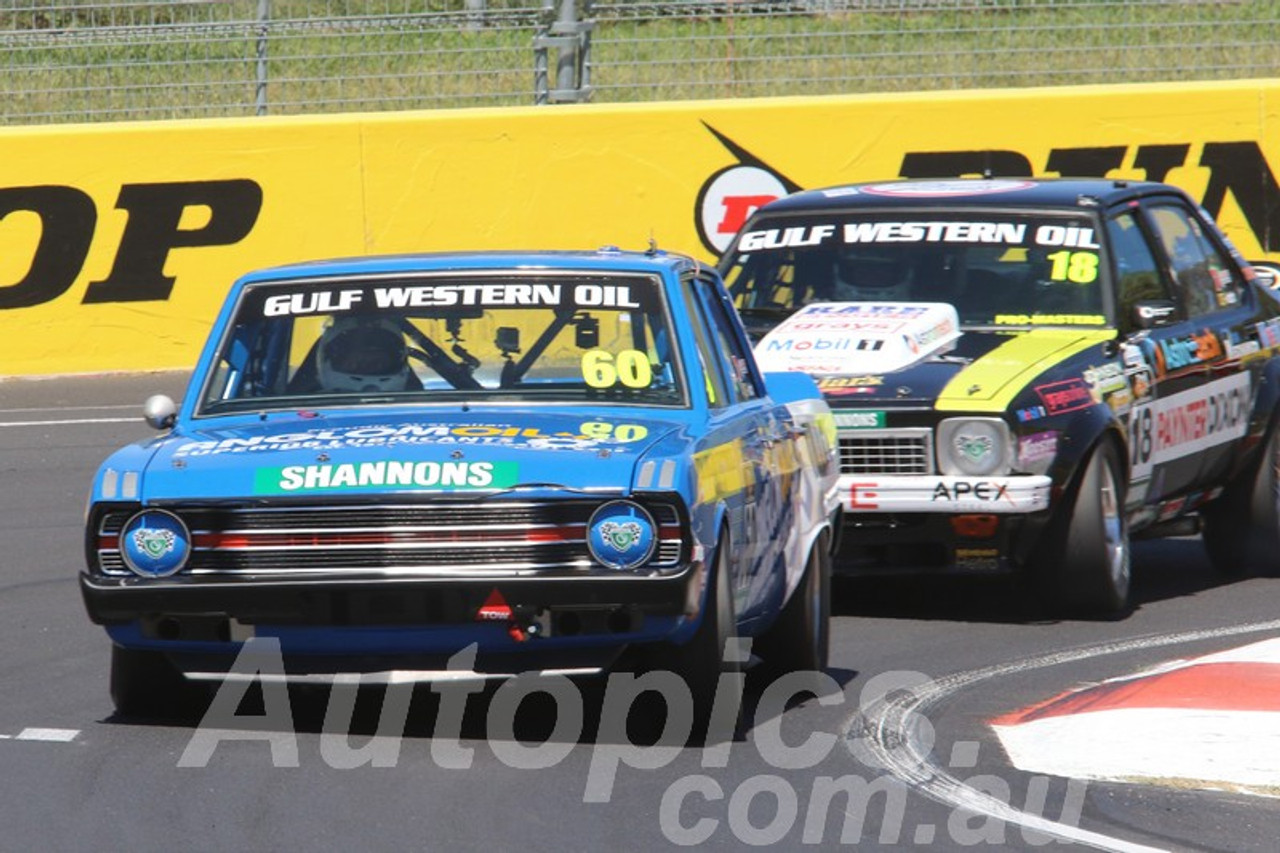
{"x":264,"y":19}
{"x":475,"y":14}
{"x":570,"y":36}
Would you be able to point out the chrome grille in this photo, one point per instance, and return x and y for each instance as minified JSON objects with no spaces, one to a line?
{"x":886,"y":451}
{"x":428,"y":539}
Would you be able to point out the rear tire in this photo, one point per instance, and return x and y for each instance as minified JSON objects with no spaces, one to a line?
{"x":1084,"y":560}
{"x":1242,"y":527}
{"x":799,"y":641}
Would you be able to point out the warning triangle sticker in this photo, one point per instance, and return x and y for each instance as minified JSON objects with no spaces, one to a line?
{"x":494,"y":609}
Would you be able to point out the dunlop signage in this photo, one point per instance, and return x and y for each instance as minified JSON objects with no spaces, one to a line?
{"x":118,"y":242}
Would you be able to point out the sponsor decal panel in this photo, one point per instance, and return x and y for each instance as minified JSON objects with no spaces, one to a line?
{"x":589,"y":434}
{"x":961,"y":491}
{"x":1188,"y":422}
{"x":947,"y":189}
{"x":1037,"y":447}
{"x":1050,"y":320}
{"x":1065,"y":396}
{"x":385,"y":474}
{"x":859,"y":420}
{"x":390,"y":297}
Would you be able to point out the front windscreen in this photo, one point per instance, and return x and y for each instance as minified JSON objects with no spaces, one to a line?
{"x":495,"y":337}
{"x":996,"y":268}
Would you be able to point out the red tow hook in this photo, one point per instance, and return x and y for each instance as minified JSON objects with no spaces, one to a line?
{"x":522,"y":622}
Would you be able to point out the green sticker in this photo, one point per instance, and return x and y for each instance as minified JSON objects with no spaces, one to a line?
{"x":859,"y":420}
{"x":391,"y":475}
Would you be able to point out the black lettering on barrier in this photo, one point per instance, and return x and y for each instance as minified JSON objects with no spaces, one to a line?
{"x":1238,"y":167}
{"x":155,"y":211}
{"x":1085,"y":162}
{"x":67,"y":218}
{"x":953,"y":164}
{"x":1156,"y":161}
{"x":1241,"y":168}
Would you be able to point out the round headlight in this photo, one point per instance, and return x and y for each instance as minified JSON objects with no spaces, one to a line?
{"x":622,"y":535}
{"x":973,"y":447}
{"x":155,"y":543}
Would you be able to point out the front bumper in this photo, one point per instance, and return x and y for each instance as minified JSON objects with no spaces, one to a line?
{"x":197,"y":610}
{"x":940,"y":525}
{"x":939,"y":494}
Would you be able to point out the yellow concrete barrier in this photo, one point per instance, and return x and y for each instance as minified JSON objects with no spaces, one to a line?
{"x":117,"y":242}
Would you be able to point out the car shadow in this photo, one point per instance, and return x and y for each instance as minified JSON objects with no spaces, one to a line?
{"x":1163,"y":569}
{"x":538,"y":718}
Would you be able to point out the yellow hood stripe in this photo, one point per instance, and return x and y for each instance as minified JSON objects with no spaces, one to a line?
{"x":991,"y":382}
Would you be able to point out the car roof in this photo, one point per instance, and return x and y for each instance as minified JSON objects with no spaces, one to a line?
{"x":607,"y":258}
{"x":1004,"y":193}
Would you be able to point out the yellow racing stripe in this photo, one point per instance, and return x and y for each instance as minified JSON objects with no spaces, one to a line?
{"x":722,"y":471}
{"x":991,"y":382}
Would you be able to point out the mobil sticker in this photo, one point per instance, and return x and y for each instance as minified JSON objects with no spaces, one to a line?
{"x":1188,"y":422}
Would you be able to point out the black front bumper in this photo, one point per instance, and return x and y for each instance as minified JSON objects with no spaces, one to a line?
{"x":927,"y":543}
{"x":384,"y":601}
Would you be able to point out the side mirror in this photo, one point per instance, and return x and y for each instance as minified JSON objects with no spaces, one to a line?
{"x":1268,"y":273}
{"x":1152,"y":313}
{"x":160,"y":411}
{"x":791,"y":387}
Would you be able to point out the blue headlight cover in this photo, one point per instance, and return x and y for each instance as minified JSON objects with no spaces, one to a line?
{"x":622,"y":535}
{"x":155,"y":543}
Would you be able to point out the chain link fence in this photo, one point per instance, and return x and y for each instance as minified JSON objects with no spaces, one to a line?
{"x":130,"y":60}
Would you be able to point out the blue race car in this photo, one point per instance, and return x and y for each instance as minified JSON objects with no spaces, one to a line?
{"x":569,"y":460}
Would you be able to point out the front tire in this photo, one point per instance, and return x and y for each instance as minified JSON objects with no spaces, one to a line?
{"x":702,"y":662}
{"x":799,"y":641}
{"x":145,"y":684}
{"x":1242,"y":527}
{"x":1085,"y":558}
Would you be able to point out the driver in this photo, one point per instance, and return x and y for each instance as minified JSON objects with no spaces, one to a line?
{"x":871,"y":278}
{"x":363,"y":354}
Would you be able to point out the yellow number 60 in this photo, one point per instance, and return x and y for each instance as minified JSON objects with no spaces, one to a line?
{"x":601,"y":369}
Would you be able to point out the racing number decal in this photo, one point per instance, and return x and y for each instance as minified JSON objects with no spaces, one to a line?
{"x":1140,"y":439}
{"x":601,"y":369}
{"x":602,"y":430}
{"x":1080,"y":267}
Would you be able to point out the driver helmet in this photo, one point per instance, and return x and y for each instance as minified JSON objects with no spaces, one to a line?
{"x":872,"y":278}
{"x":363,"y":354}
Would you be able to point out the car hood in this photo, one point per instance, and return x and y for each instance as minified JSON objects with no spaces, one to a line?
{"x":915,"y":354}
{"x":308,"y":455}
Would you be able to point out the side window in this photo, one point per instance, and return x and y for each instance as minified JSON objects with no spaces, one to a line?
{"x":707,"y":364}
{"x":726,"y":338}
{"x":1203,"y":273}
{"x":1136,"y":270}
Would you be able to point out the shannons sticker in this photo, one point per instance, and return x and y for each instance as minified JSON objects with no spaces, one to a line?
{"x":446,"y":476}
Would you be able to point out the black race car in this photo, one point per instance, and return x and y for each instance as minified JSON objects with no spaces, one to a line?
{"x":1025,"y":374}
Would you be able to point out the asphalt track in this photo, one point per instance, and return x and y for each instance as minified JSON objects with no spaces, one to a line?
{"x":901,"y":754}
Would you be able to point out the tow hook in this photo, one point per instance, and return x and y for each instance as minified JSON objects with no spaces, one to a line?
{"x":529,"y":622}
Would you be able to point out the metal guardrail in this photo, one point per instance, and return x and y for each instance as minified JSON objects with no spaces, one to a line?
{"x":80,"y":60}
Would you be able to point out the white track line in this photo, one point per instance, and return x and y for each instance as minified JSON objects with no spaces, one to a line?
{"x":890,"y":727}
{"x":72,"y":422}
